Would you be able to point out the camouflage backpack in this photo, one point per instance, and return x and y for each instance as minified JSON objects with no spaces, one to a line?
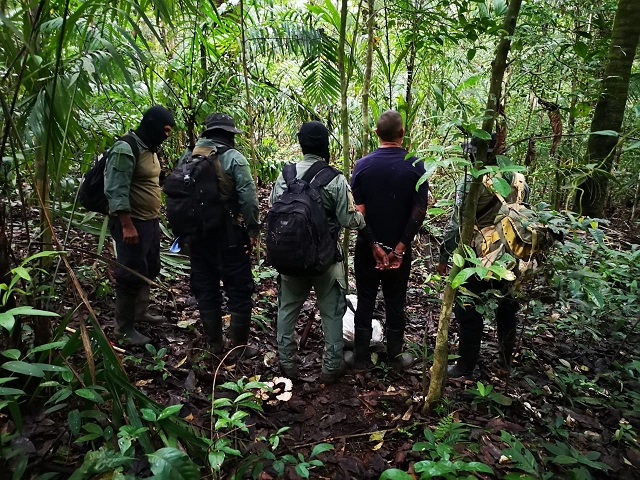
{"x":515,"y":231}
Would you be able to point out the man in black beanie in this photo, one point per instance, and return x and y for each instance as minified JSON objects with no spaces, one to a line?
{"x":330,"y":286}
{"x":132,"y":188}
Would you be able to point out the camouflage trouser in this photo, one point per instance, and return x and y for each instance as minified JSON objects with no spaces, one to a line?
{"x":330,"y":291}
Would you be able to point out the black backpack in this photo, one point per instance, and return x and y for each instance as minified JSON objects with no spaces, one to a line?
{"x":91,"y":192}
{"x":299,"y":240}
{"x":194,"y":203}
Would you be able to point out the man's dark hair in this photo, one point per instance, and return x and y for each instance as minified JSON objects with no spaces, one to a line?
{"x":389,"y":125}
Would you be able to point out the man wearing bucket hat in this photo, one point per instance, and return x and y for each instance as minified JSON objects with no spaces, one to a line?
{"x":470,"y":321}
{"x":329,"y":286}
{"x":224,"y":254}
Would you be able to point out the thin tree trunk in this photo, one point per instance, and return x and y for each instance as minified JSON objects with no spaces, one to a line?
{"x":439,"y":369}
{"x":344,"y":119}
{"x":609,"y":113}
{"x":366,"y":84}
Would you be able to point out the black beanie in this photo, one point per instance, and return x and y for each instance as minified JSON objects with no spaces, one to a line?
{"x":314,"y":138}
{"x":151,"y":129}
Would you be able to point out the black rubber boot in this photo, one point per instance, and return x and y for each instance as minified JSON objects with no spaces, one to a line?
{"x":239,"y":333}
{"x":125,"y":318}
{"x":142,"y":307}
{"x":469,"y":348}
{"x":507,"y":325}
{"x":398,"y":360}
{"x":212,"y":325}
{"x":360,"y":359}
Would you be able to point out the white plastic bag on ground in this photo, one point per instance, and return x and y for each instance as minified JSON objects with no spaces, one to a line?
{"x":348,"y":324}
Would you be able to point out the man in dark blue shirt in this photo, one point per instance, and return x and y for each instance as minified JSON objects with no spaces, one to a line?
{"x":387,"y":189}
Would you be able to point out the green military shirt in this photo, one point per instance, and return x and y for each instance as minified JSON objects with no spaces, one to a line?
{"x":133,"y":186}
{"x":236,"y":167}
{"x":336,"y":196}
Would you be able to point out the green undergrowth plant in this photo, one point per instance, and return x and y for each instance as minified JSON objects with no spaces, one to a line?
{"x":441,"y":458}
{"x":556,"y":460}
{"x":486,"y":395}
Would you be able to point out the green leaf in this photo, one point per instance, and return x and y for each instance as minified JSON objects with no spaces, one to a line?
{"x":216,"y":460}
{"x":12,"y":353}
{"x":502,"y":186}
{"x":458,"y":260}
{"x":23,"y":368}
{"x":605,"y":133}
{"x":501,"y":399}
{"x":167,"y":412}
{"x":462,"y":277}
{"x":471,"y":53}
{"x":148,"y":414}
{"x":75,"y":422}
{"x":48,"y":346}
{"x":11,"y":391}
{"x":320,"y":448}
{"x":564,"y":460}
{"x":302,"y":470}
{"x":481,"y":134}
{"x":595,"y":296}
{"x":172,"y":464}
{"x":395,"y":474}
{"x":581,"y":49}
{"x":89,"y":394}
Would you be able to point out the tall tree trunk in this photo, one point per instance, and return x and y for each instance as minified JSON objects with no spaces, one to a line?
{"x":609,"y":113}
{"x":439,"y":369}
{"x":366,"y":84}
{"x":344,"y":117}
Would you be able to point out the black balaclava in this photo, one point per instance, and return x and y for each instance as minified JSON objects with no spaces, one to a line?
{"x":151,"y":128}
{"x":314,"y":139}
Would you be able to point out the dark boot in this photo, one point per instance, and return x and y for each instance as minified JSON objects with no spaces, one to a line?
{"x":398,"y":360}
{"x":507,"y":324}
{"x":469,"y":347}
{"x":125,"y":318}
{"x":361,"y":352}
{"x":239,"y":333}
{"x":142,"y":307}
{"x":212,"y":325}
{"x":334,"y":375}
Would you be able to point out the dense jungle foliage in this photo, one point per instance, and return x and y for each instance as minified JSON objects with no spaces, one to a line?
{"x":76,"y":75}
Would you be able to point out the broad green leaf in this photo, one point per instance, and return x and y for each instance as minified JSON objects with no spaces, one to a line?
{"x":320,"y":448}
{"x":501,"y":399}
{"x":148,"y":414}
{"x":28,"y":310}
{"x":89,"y":394}
{"x":12,"y":353}
{"x":595,"y":296}
{"x":167,"y":412}
{"x":23,"y":368}
{"x":11,"y":391}
{"x":462,"y":277}
{"x":172,"y":464}
{"x":581,"y":49}
{"x":481,"y":134}
{"x":458,"y":260}
{"x":395,"y":474}
{"x":215,"y":460}
{"x":502,"y":186}
{"x":564,"y":460}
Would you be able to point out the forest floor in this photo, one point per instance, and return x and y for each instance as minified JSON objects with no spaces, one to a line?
{"x":373,"y":420}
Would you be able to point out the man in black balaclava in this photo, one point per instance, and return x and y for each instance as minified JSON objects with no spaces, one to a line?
{"x":133,"y":190}
{"x":330,"y":286}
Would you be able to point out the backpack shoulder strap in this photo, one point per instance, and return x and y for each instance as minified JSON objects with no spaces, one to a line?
{"x":324,"y":176}
{"x":129,"y":140}
{"x":289,"y":173}
{"x":314,"y":170}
